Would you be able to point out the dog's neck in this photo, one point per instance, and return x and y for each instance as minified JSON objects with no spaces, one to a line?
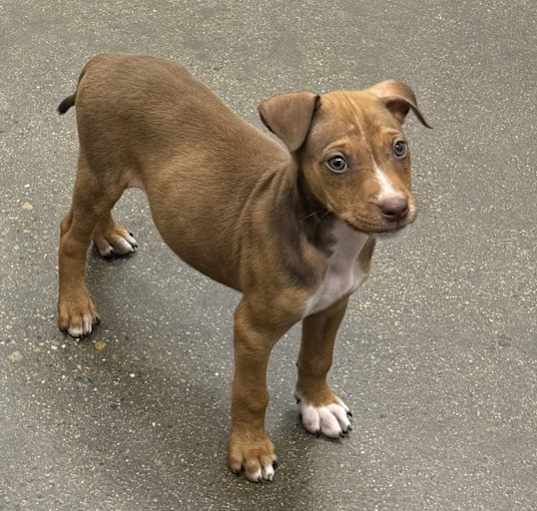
{"x":313,"y":216}
{"x":301,"y":212}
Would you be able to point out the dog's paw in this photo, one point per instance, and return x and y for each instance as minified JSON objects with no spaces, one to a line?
{"x":331,"y":419}
{"x":253,"y":454}
{"x":115,"y":242}
{"x":77,"y":314}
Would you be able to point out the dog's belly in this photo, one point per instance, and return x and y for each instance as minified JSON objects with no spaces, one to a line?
{"x":199,"y":235}
{"x":343,"y":274}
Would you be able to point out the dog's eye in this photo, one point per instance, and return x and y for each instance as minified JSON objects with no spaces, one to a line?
{"x":337,"y":163}
{"x":400,"y":149}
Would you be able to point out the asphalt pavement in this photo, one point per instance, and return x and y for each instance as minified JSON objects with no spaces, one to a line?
{"x":438,"y":354}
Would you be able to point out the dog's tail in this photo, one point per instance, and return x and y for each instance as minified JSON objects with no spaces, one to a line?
{"x":67,"y":103}
{"x":70,"y":101}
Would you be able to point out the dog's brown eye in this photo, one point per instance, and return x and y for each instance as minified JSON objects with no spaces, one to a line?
{"x":400,"y":149}
{"x":337,"y":164}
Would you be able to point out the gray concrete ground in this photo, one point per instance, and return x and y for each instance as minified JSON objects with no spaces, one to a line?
{"x":438,"y":354}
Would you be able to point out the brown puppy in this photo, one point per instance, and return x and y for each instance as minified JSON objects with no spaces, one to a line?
{"x":290,"y":223}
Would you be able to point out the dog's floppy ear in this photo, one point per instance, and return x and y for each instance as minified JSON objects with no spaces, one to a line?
{"x":399,"y":99}
{"x":289,"y":116}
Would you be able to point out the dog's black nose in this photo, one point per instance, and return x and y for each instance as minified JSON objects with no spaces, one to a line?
{"x":394,"y":208}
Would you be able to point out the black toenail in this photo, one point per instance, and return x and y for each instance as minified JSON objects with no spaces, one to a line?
{"x":349,"y":414}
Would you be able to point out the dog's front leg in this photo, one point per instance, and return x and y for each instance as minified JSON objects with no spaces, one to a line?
{"x":250,"y":448}
{"x":321,"y":410}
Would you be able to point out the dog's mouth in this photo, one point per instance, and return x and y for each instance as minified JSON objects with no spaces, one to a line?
{"x":383,"y":228}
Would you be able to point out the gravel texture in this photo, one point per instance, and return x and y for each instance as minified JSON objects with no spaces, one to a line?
{"x":438,"y":354}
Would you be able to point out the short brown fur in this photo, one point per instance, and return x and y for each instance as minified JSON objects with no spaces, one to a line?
{"x":251,"y":212}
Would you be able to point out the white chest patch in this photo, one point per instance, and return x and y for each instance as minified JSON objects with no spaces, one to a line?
{"x":343,"y":274}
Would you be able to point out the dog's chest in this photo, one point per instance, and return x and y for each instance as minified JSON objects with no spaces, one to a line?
{"x":343,"y":273}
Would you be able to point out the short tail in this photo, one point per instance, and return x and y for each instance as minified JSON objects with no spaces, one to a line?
{"x":70,"y":101}
{"x":67,"y":103}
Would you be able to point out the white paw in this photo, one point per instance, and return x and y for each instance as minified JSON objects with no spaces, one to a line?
{"x":85,"y":328}
{"x":331,"y":420}
{"x":105,"y":249}
{"x":266,"y":473}
{"x":116,"y":245}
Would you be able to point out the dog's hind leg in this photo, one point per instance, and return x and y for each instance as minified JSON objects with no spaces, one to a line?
{"x":91,"y":205}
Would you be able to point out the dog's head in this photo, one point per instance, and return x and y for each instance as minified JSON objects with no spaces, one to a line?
{"x":352,"y":151}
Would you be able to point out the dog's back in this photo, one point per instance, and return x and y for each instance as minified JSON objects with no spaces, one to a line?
{"x":140,"y":115}
{"x":121,"y":98}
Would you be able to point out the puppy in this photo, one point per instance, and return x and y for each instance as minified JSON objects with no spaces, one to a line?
{"x":289,"y":219}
